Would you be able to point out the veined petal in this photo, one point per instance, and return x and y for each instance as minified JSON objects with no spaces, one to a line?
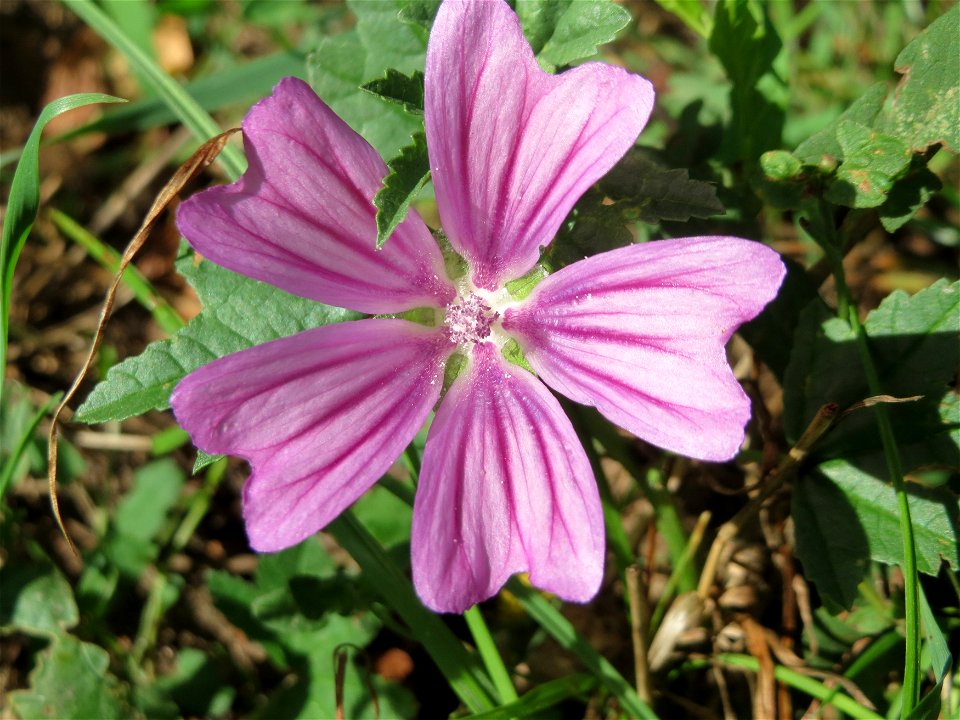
{"x":302,"y":216}
{"x":512,"y":147}
{"x":639,"y":334}
{"x":505,"y":487}
{"x":320,"y":416}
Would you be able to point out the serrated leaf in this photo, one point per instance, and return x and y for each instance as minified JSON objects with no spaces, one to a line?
{"x":341,"y":64}
{"x":395,"y":87}
{"x":418,"y":12}
{"x":747,"y":44}
{"x":845,"y":519}
{"x":408,"y":173}
{"x":908,"y":194}
{"x":36,"y":600}
{"x":871,"y":162}
{"x":141,"y":514}
{"x":592,"y":227}
{"x":70,"y":681}
{"x":654,"y":193}
{"x":925,"y":109}
{"x":844,"y":509}
{"x":562,"y":31}
{"x":290,"y":608}
{"x":913,"y":340}
{"x":824,"y":147}
{"x":238,"y":313}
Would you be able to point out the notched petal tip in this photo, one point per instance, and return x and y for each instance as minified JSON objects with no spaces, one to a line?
{"x":320,"y":416}
{"x":512,"y":147}
{"x":639,"y":333}
{"x":505,"y":488}
{"x":302,"y":216}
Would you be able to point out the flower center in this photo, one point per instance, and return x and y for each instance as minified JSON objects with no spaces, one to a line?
{"x":468,"y":320}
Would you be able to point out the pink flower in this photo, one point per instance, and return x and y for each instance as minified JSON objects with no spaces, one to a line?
{"x":505,"y":486}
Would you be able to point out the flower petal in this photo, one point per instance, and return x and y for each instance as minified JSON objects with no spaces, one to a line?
{"x":302,"y":216}
{"x":505,"y":487}
{"x":320,"y":416}
{"x":512,"y":147}
{"x":639,"y":334}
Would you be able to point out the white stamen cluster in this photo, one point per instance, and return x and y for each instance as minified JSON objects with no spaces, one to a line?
{"x":468,"y":320}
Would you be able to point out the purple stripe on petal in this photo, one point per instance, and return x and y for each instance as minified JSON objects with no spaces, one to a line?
{"x":505,"y":488}
{"x":320,"y":416}
{"x":639,"y":334}
{"x":302,"y":216}
{"x":512,"y":147}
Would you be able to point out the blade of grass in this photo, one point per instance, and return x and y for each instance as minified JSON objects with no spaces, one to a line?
{"x":177,"y":99}
{"x":798,"y":681}
{"x":696,"y":537}
{"x":542,"y":697}
{"x":164,"y":314}
{"x":826,"y":235}
{"x":490,"y":655}
{"x":665,"y":512}
{"x":10,"y":466}
{"x":560,"y":629}
{"x":461,"y":669}
{"x":24,"y":201}
{"x":229,"y":86}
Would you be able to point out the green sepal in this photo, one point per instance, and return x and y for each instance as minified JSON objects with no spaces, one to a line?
{"x":453,"y":262}
{"x":521,"y":288}
{"x":513,"y":353}
{"x":428,"y":316}
{"x":455,"y":365}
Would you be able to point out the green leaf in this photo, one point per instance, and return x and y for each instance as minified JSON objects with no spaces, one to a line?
{"x":845,"y":519}
{"x":70,"y":681}
{"x":746,"y":43}
{"x":24,"y":201}
{"x":823,"y":148}
{"x":301,"y":607}
{"x":395,"y":87}
{"x":871,"y":162}
{"x":20,"y":444}
{"x":141,"y":515}
{"x":342,"y":64}
{"x":647,"y":191}
{"x":419,"y":12}
{"x":925,"y":109}
{"x":461,"y":669}
{"x":913,"y":342}
{"x":542,"y":697}
{"x":560,"y":629}
{"x":408,"y":173}
{"x":238,"y":313}
{"x":197,"y":684}
{"x":562,"y":31}
{"x":37,"y":600}
{"x":846,"y":515}
{"x":940,"y":658}
{"x":692,"y":12}
{"x":592,"y":227}
{"x":909,"y":193}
